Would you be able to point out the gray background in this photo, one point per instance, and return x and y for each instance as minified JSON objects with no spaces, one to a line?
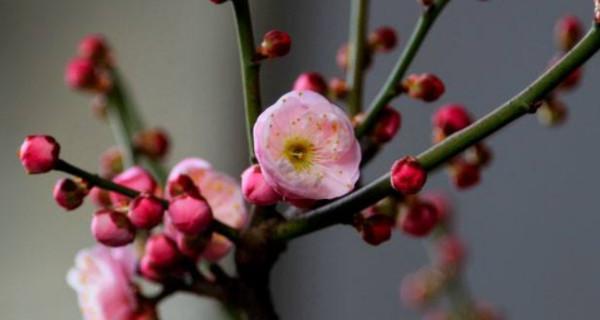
{"x":530,"y":225}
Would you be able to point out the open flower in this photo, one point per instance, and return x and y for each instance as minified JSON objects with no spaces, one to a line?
{"x":306,"y":147}
{"x":102,"y":278}
{"x":224,"y":196}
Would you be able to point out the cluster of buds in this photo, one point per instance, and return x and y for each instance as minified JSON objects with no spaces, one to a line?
{"x":553,"y":111}
{"x":465,"y":169}
{"x":90,"y":69}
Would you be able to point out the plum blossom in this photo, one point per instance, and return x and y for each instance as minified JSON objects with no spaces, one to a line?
{"x":306,"y":147}
{"x":224,"y":196}
{"x":102,"y":278}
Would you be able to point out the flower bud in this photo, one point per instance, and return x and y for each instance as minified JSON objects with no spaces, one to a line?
{"x":94,"y":48}
{"x":161,"y":251}
{"x":154,"y":143}
{"x":568,"y":31}
{"x":39,"y":153}
{"x":82,"y":74}
{"x":146,"y":211}
{"x":408,"y":177}
{"x":338,"y":88}
{"x":135,"y":178}
{"x":419,"y":288}
{"x":377,"y":229}
{"x":191,"y":246}
{"x":552,"y":112}
{"x":597,"y":11}
{"x":450,"y":252}
{"x":341,"y":58}
{"x":479,"y":155}
{"x":426,"y":87}
{"x":150,"y":271}
{"x":218,"y":1}
{"x":426,"y":3}
{"x":451,"y":118}
{"x":100,"y":106}
{"x":442,"y":205}
{"x":418,"y":219}
{"x":256,"y":190}
{"x":190,"y":215}
{"x":183,"y":184}
{"x":275,"y":44}
{"x":217,"y":248}
{"x":69,"y":194}
{"x":111,"y":163}
{"x":387,"y":126}
{"x":383,"y":39}
{"x":572,"y":80}
{"x":464,"y":174}
{"x":311,"y":81}
{"x":112,"y":228}
{"x":100,"y":197}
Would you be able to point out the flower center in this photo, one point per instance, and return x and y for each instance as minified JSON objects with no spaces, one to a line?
{"x":299,"y":152}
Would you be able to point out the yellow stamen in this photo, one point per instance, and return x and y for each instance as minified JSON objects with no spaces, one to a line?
{"x":299,"y":152}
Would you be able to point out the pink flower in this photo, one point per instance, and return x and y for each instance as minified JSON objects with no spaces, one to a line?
{"x":224,"y":196}
{"x":306,"y":147}
{"x":102,"y":278}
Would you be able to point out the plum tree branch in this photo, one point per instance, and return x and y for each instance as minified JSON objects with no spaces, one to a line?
{"x":357,"y":53}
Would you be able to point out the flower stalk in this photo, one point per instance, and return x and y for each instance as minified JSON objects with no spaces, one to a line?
{"x":525,"y":102}
{"x":357,"y":53}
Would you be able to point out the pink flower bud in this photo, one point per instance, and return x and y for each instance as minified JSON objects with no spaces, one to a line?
{"x":419,"y":219}
{"x":182,"y":184}
{"x":275,"y":44}
{"x":341,"y":58}
{"x":568,"y":31}
{"x":597,"y":11}
{"x":190,"y":215}
{"x":111,"y":162}
{"x":417,"y":289}
{"x":425,"y":86}
{"x":426,"y":3}
{"x":100,"y":197}
{"x":69,"y":194}
{"x":154,"y":143}
{"x":552,"y":112}
{"x":255,"y":188}
{"x":451,"y":118}
{"x":338,"y":88}
{"x":161,"y":251}
{"x":442,"y":205}
{"x":386,"y":128}
{"x":135,"y":178}
{"x":217,"y":1}
{"x":311,"y":81}
{"x":112,"y":228}
{"x":408,"y":177}
{"x":450,"y":252}
{"x":39,"y":153}
{"x":146,"y":212}
{"x":464,"y":174}
{"x":377,"y":229}
{"x":383,"y":39}
{"x":217,"y":248}
{"x":82,"y":74}
{"x":150,"y":271}
{"x":94,"y":47}
{"x":191,"y":246}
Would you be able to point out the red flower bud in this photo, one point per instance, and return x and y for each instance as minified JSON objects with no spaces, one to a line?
{"x":190,"y":215}
{"x":69,"y":194}
{"x":338,"y":88}
{"x":450,"y":252}
{"x":464,"y":174}
{"x":311,"y":81}
{"x":111,"y":162}
{"x":568,"y":31}
{"x":419,"y":219}
{"x":425,"y":86}
{"x":161,"y":251}
{"x":341,"y":58}
{"x":442,"y":205}
{"x":386,"y":128}
{"x":82,"y":74}
{"x":100,"y":197}
{"x":408,"y":177}
{"x":275,"y":44}
{"x":95,"y":48}
{"x":451,"y":118}
{"x":377,"y":229}
{"x":112,"y":228}
{"x":552,"y":112}
{"x":383,"y":39}
{"x":218,"y":1}
{"x":426,"y":3}
{"x":39,"y":153}
{"x":136,"y":178}
{"x":183,"y":184}
{"x":255,"y":188}
{"x":150,"y":271}
{"x":153,"y":142}
{"x":146,"y":212}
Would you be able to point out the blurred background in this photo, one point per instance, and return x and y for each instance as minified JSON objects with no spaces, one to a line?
{"x":531,"y":226}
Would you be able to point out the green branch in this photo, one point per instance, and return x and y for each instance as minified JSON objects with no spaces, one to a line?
{"x":250,"y":68}
{"x":357,"y":54}
{"x":523,"y":103}
{"x":390,"y":89}
{"x":97,"y":181}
